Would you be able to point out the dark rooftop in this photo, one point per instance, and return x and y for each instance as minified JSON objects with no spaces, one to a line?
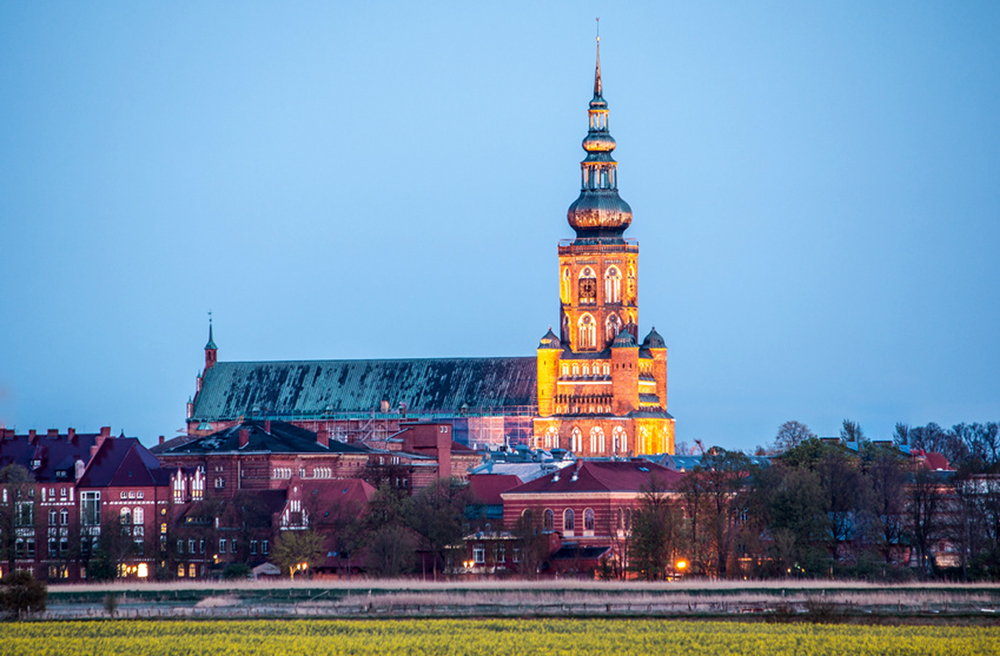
{"x":314,"y":388}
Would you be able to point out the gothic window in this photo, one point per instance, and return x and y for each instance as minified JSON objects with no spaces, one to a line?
{"x":549,"y":520}
{"x":551,"y":437}
{"x":597,"y":440}
{"x":63,"y":517}
{"x":588,"y":519}
{"x":588,"y":287}
{"x":587,"y":332}
{"x":614,"y":326}
{"x":619,"y":440}
{"x":630,"y":290}
{"x":566,"y":286}
{"x":612,"y":285}
{"x":576,"y":440}
{"x":644,"y":439}
{"x":569,"y":520}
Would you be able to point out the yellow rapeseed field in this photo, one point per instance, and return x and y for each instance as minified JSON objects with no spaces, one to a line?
{"x":490,"y":637}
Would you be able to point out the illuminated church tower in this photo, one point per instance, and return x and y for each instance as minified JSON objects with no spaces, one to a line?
{"x":600,"y":391}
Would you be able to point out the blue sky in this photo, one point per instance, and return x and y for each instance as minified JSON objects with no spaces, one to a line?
{"x":815,"y":187}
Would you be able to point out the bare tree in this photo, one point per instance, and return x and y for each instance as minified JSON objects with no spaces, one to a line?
{"x":790,"y":435}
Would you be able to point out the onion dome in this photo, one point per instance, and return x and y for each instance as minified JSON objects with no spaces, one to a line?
{"x":599,"y":212}
{"x":653,"y":340}
{"x":550,"y":341}
{"x":624,"y":340}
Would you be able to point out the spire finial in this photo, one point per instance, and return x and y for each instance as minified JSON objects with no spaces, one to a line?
{"x":211,"y":341}
{"x":597,"y":73}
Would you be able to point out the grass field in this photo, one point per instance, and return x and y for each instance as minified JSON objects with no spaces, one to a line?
{"x":492,"y":637}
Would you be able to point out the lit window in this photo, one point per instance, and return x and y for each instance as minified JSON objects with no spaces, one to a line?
{"x":612,"y":285}
{"x":587,"y":332}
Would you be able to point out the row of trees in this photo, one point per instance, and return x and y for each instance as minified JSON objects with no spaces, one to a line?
{"x":822,"y":508}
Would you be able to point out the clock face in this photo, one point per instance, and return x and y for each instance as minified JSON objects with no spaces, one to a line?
{"x":588,"y":288}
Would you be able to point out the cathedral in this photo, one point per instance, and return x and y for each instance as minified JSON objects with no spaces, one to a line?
{"x":594,"y":389}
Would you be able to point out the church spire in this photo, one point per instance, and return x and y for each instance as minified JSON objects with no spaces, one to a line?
{"x":211,"y":350}
{"x":597,"y":73}
{"x":599,"y":212}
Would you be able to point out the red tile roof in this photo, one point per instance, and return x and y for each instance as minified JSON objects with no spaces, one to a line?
{"x":602,"y":476}
{"x":486,"y":488}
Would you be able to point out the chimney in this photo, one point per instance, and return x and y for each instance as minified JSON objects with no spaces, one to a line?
{"x":162,"y":439}
{"x":105,"y":431}
{"x":31,"y":436}
{"x":323,"y":437}
{"x":53,"y":434}
{"x":267,"y":426}
{"x":244,"y":437}
{"x":71,"y":435}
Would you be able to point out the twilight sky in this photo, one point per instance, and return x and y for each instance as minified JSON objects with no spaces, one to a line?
{"x":815,"y":188}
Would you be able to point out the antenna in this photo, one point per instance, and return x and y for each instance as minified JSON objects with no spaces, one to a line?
{"x":598,"y":29}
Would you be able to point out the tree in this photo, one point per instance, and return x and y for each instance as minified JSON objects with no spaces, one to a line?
{"x":925,"y":517}
{"x":843,"y":491}
{"x":851,"y":431}
{"x":21,"y":594}
{"x":114,"y":547}
{"x":390,"y":550}
{"x":654,"y":533}
{"x":297,"y":551}
{"x":530,"y":543}
{"x":886,"y":472}
{"x":724,"y":478}
{"x":790,"y":435}
{"x":437,"y":514}
{"x":17,"y":508}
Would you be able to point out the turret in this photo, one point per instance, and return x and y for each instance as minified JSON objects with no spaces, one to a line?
{"x":547,"y":362}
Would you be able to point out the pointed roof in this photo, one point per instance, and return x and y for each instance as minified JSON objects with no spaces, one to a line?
{"x":122,"y":462}
{"x":549,"y":341}
{"x":624,"y":340}
{"x":597,"y":72}
{"x":211,"y":342}
{"x":653,"y":340}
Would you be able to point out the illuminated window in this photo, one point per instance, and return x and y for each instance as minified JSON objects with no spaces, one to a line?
{"x":588,"y":287}
{"x":619,"y":440}
{"x":587,"y":332}
{"x":612,"y":327}
{"x":576,"y":440}
{"x":612,"y":285}
{"x":597,"y":440}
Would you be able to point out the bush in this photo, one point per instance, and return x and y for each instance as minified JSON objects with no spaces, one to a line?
{"x":21,"y":594}
{"x":237,"y":571}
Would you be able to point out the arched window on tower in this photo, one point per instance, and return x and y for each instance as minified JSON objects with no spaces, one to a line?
{"x":565,"y":286}
{"x":587,"y":332}
{"x":630,"y":289}
{"x":588,"y":287}
{"x":576,"y":440}
{"x":612,"y":285}
{"x":613,"y":327}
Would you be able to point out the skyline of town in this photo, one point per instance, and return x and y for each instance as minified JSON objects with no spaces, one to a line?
{"x":814,"y":194}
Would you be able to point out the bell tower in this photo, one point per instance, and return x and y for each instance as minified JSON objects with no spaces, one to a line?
{"x":601,"y":392}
